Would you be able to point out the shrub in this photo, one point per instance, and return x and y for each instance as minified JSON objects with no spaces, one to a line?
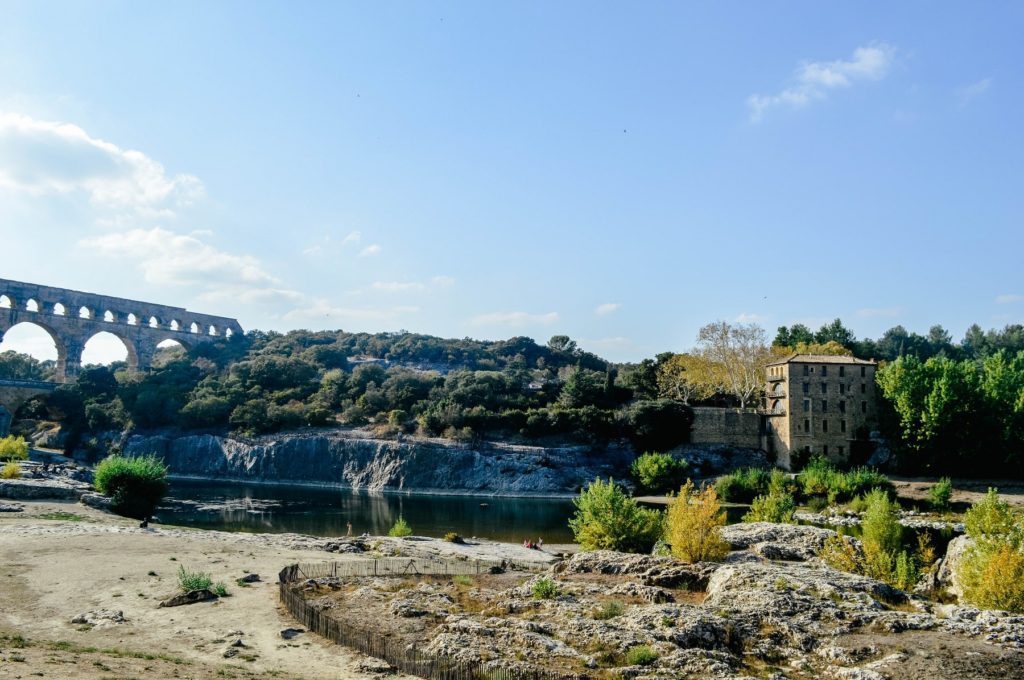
{"x":193,"y":580}
{"x":658,"y":472}
{"x":940,"y":494}
{"x":10,"y":470}
{"x":607,"y":519}
{"x":609,"y":610}
{"x":989,"y":517}
{"x":694,"y":525}
{"x":13,"y":448}
{"x":641,"y":656}
{"x":545,"y":589}
{"x":743,"y":486}
{"x":453,"y":537}
{"x":820,"y":478}
{"x":136,"y":485}
{"x":400,"y":528}
{"x":220,"y":589}
{"x":777,"y":506}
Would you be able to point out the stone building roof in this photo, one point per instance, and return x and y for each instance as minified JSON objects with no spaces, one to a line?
{"x":797,"y":358}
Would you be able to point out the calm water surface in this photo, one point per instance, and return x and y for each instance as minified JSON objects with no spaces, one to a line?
{"x":326,"y":512}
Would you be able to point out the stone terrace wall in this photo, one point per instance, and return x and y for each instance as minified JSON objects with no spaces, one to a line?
{"x":727,"y":426}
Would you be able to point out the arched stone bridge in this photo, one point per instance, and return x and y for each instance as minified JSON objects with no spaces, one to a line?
{"x":72,"y":317}
{"x":14,"y":393}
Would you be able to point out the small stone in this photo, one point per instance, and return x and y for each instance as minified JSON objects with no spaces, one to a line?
{"x":100,"y":617}
{"x":250,"y":578}
{"x":289,"y":633}
{"x":203,"y":595}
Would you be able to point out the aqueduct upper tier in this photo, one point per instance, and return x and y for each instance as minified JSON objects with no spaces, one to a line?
{"x":72,"y":317}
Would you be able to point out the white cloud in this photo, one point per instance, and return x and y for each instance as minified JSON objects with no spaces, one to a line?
{"x":514,"y":319}
{"x":443,"y":281}
{"x":606,"y":308}
{"x":322,"y":309}
{"x":968,"y":93}
{"x":747,"y":317}
{"x":397,"y":286}
{"x":352,"y":237}
{"x":369,"y":250}
{"x":1008,"y":299}
{"x":814,"y":79}
{"x":869,"y":312}
{"x":43,"y":157}
{"x":178,"y":259}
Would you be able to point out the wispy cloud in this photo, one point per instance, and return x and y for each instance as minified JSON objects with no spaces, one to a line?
{"x":43,"y":157}
{"x":970,"y":92}
{"x":814,"y":79}
{"x":1008,"y":299}
{"x":749,"y":317}
{"x":329,"y":243}
{"x":322,"y":310}
{"x":607,"y":308}
{"x":869,"y":312}
{"x":514,"y":319}
{"x":370,"y":250}
{"x":443,"y":281}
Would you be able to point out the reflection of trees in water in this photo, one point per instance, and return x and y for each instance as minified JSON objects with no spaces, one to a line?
{"x":326,"y":512}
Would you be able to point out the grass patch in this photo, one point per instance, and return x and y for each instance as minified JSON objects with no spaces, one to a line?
{"x":545,"y":589}
{"x":62,"y":515}
{"x":641,"y":656}
{"x":609,"y":610}
{"x":193,"y":580}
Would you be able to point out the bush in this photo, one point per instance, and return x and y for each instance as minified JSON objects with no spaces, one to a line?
{"x":193,"y":580}
{"x":743,"y":486}
{"x":658,"y":472}
{"x":11,"y":470}
{"x":777,"y":506}
{"x":607,"y":519}
{"x":13,"y":448}
{"x":821,"y":479}
{"x":545,"y":589}
{"x":453,"y":537}
{"x":136,"y":485}
{"x":641,"y":656}
{"x":940,"y":494}
{"x":989,"y":517}
{"x":992,"y":571}
{"x":220,"y":589}
{"x":609,"y":610}
{"x":694,"y":525}
{"x":400,"y":528}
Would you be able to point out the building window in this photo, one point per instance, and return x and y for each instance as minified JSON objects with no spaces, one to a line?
{"x":842,"y":406}
{"x":842,"y":426}
{"x":824,"y":449}
{"x":863,"y":371}
{"x":842,"y":388}
{"x":807,"y":450}
{"x":863,"y":388}
{"x":839,"y":450}
{"x":824,"y":371}
{"x":824,"y":405}
{"x":807,"y":369}
{"x":807,"y":405}
{"x":842,"y":374}
{"x":824,"y":426}
{"x":863,"y":407}
{"x":807,"y":388}
{"x":824,"y":388}
{"x":807,"y":424}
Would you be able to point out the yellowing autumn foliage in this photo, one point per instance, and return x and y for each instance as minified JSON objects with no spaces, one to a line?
{"x":694,"y":525}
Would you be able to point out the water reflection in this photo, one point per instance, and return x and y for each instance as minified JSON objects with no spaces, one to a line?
{"x":327,"y":512}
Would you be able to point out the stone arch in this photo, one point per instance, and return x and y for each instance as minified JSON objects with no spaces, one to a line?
{"x":228,"y":332}
{"x":193,"y":328}
{"x":109,"y":316}
{"x":174,"y":325}
{"x":131,"y":319}
{"x":133,"y":352}
{"x":85,"y":313}
{"x":212,"y":330}
{"x":61,"y":368}
{"x":6,"y":301}
{"x":59,"y":309}
{"x":153,"y":322}
{"x":31,"y":305}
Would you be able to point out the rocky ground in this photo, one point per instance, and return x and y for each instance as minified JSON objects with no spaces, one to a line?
{"x":770,"y":610}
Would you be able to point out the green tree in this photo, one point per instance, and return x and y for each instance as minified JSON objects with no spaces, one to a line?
{"x":607,"y":519}
{"x":13,"y":448}
{"x":136,"y":485}
{"x":658,"y":472}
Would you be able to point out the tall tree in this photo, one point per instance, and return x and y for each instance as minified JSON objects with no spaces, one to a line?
{"x":689,"y":376}
{"x":741,"y":352}
{"x":835,"y":332}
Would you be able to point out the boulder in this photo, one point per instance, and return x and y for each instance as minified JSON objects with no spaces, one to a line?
{"x":100,"y":617}
{"x":950,"y":564}
{"x":777,"y":541}
{"x":191,"y":597}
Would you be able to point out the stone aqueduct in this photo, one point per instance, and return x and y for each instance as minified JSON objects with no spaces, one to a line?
{"x":72,"y":317}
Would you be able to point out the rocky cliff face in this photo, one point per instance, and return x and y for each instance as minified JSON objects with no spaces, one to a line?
{"x":348,"y":460}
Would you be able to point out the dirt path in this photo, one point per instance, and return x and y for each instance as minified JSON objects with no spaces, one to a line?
{"x":52,"y":570}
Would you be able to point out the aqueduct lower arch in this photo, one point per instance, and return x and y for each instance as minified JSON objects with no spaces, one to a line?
{"x":72,"y":317}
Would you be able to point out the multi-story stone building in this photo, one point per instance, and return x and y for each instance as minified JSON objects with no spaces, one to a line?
{"x":820,"y":405}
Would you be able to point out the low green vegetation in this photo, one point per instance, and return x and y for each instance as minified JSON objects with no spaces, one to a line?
{"x":609,"y":610}
{"x":400,"y":528}
{"x":822,"y":479}
{"x":744,"y":485}
{"x":776,"y":506}
{"x":453,"y":537}
{"x":607,"y":518}
{"x":883,"y":555}
{"x":992,"y":570}
{"x":694,"y":524}
{"x":545,"y":589}
{"x":818,"y":485}
{"x":658,"y":472}
{"x":13,"y":448}
{"x":136,"y":485}
{"x":193,"y":580}
{"x":940,"y":494}
{"x":641,"y":656}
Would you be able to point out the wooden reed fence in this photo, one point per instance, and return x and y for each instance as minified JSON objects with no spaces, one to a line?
{"x":405,"y":658}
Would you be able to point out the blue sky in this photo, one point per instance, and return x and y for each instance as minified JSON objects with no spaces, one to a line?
{"x":619,"y":173}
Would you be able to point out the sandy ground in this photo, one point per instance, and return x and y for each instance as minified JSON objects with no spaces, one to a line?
{"x":52,"y":570}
